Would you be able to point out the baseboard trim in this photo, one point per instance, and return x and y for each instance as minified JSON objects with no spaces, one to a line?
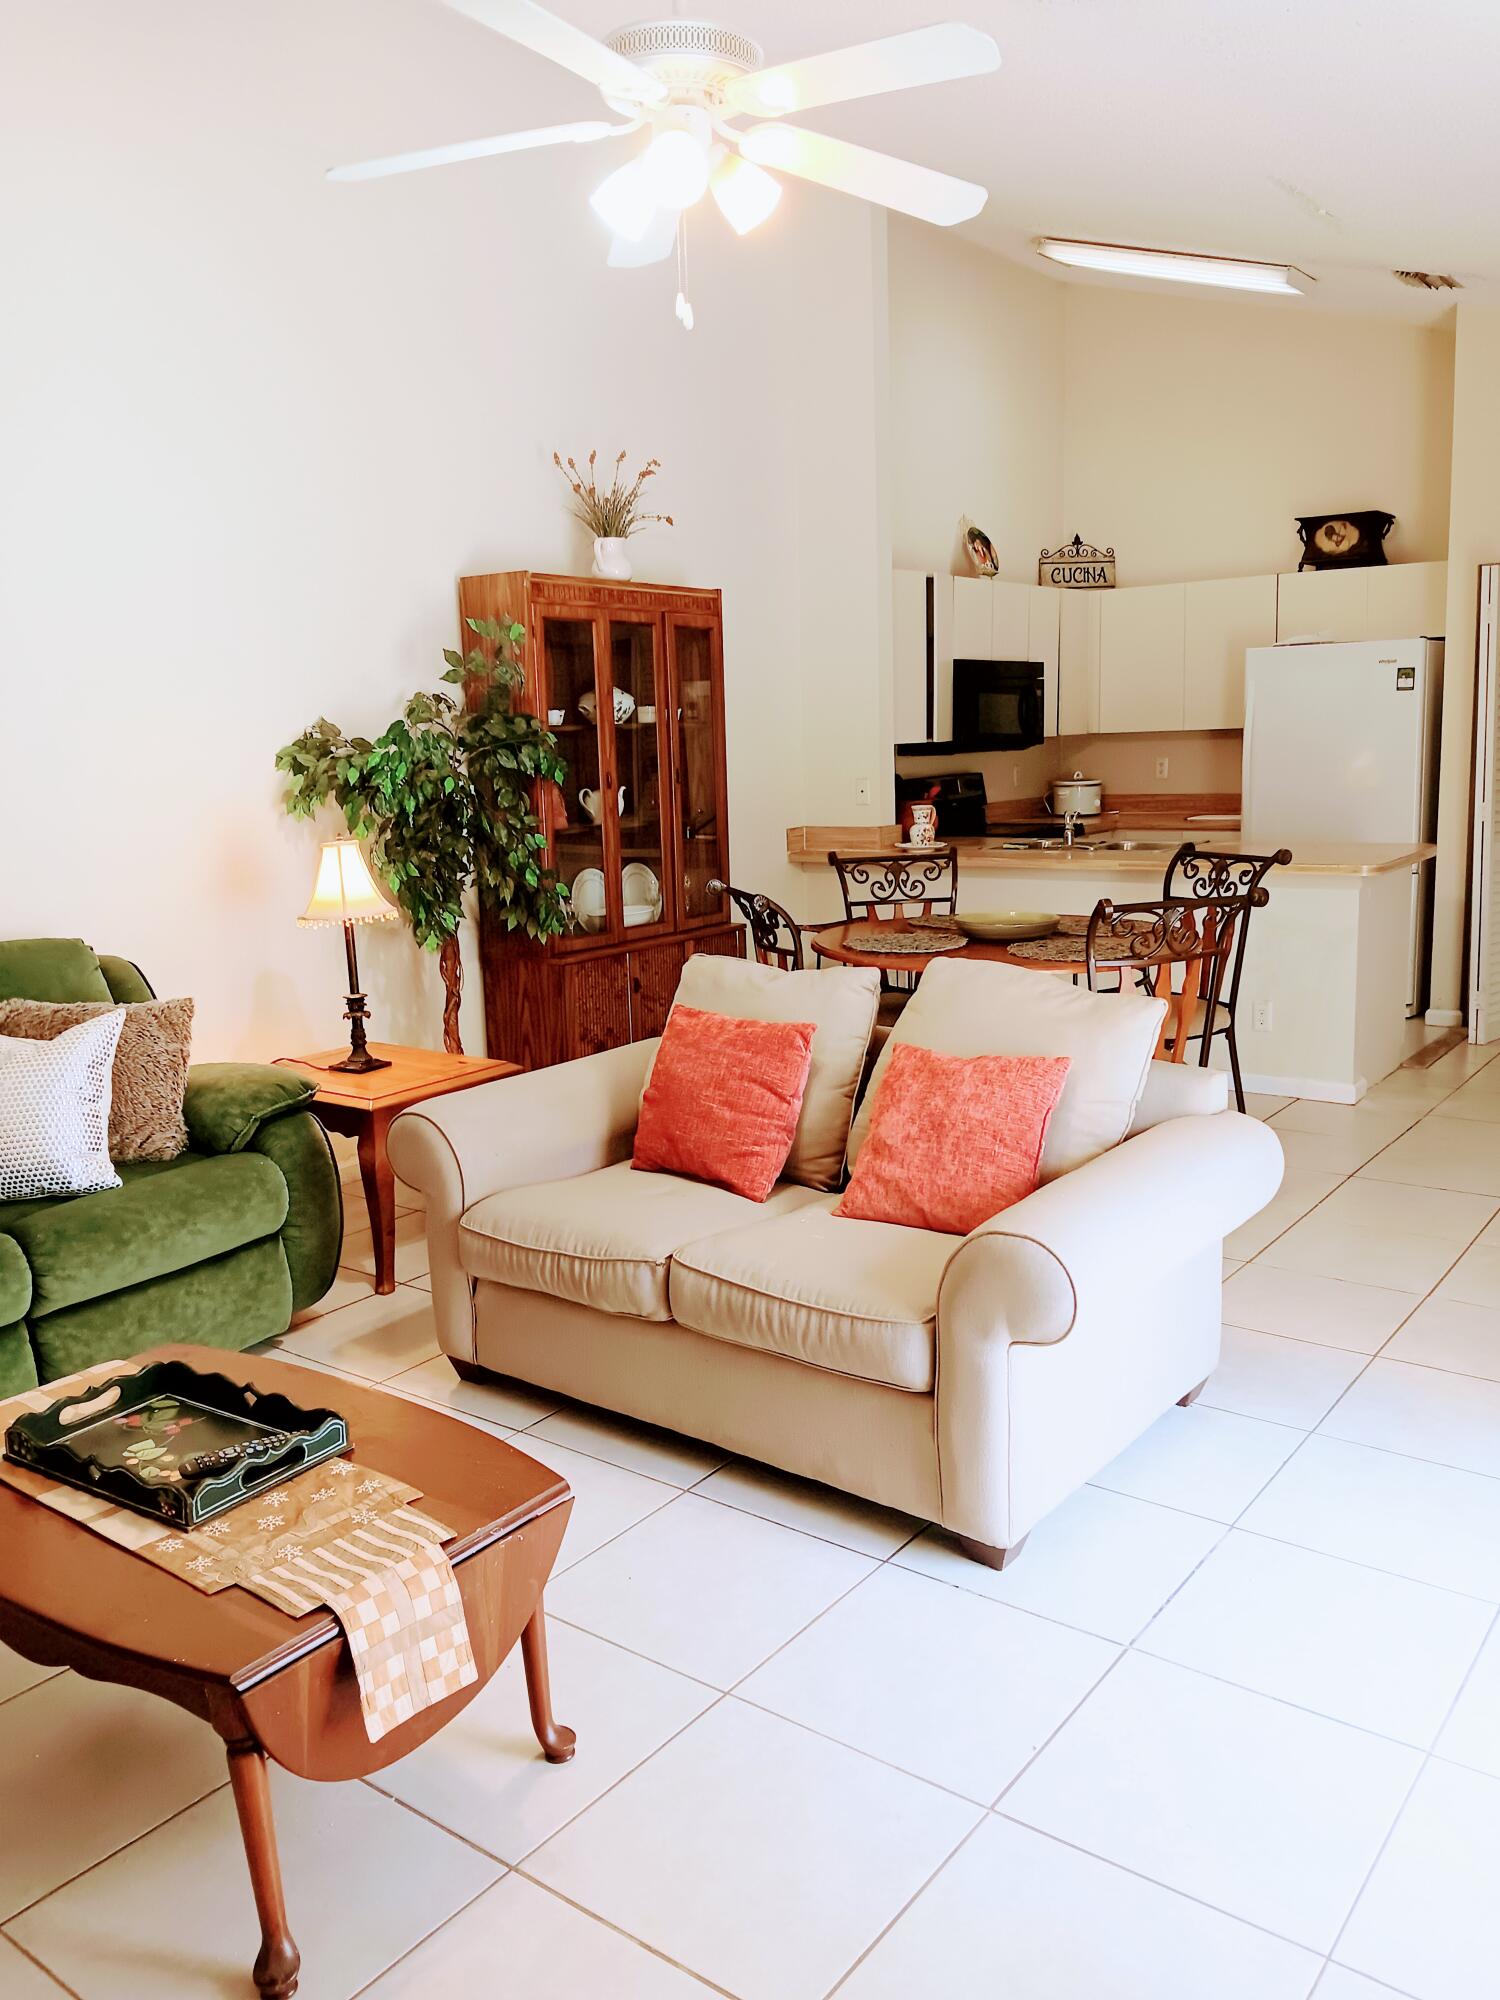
{"x":1444,"y":1017}
{"x":1305,"y":1086}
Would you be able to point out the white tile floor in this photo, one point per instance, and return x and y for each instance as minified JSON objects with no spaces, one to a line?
{"x":1231,"y":1726}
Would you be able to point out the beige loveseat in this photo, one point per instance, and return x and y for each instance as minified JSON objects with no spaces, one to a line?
{"x":974,"y":1381}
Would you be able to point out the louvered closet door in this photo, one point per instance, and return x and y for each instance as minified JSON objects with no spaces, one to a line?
{"x":1484,"y":946}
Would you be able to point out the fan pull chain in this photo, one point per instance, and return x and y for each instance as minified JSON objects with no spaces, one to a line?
{"x":684,"y":305}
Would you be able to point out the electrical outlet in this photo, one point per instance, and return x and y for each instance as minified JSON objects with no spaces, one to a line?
{"x":1015,"y":777}
{"x":864,"y":791}
{"x":1263,"y":1020}
{"x":1161,"y":767}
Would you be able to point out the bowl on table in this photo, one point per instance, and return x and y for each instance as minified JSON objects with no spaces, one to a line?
{"x":1005,"y":926}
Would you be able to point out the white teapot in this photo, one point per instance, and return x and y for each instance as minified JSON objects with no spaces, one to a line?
{"x":593,"y":802}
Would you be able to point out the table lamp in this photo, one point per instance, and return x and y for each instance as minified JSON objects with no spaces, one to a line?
{"x":345,"y":893}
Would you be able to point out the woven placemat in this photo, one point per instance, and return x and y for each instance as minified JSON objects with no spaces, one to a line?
{"x":1067,"y":946}
{"x":876,"y":938}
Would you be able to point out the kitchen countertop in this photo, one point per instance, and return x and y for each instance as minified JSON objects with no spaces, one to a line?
{"x":991,"y":855}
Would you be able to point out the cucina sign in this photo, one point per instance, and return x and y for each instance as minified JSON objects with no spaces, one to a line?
{"x":1077,"y":565}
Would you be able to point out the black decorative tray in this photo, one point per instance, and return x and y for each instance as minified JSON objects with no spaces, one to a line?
{"x":173,"y":1442}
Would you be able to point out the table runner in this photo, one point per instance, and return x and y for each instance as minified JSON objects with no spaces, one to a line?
{"x":340,"y":1534}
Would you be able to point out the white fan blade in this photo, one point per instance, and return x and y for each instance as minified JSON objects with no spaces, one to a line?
{"x":897,"y":62}
{"x":834,"y":163}
{"x":654,"y":247}
{"x":559,"y":41}
{"x":479,"y":149}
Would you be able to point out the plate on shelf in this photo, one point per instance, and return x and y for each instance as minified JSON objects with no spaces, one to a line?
{"x":1006,"y":926}
{"x":640,"y":887}
{"x":589,"y":899}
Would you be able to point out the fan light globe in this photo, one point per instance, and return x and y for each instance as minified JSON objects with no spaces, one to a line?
{"x":676,"y":169}
{"x":625,"y":201}
{"x":745,"y":193}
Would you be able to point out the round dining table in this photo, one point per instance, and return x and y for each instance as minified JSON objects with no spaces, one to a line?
{"x":860,"y":942}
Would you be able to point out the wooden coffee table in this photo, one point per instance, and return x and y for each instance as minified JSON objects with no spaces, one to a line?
{"x":281,"y":1687}
{"x":361,"y":1104}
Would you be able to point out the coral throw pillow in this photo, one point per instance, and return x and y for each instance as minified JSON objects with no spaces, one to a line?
{"x":953,"y":1139}
{"x":723,"y":1100}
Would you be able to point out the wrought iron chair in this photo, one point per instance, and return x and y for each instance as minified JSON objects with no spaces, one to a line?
{"x":775,"y":934}
{"x":1200,"y":874}
{"x":896,"y":885}
{"x":1199,"y":933}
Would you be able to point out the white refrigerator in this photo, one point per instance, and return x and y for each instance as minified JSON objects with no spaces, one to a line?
{"x":1341,"y":744}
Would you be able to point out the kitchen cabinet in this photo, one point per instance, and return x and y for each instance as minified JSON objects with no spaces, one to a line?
{"x":1043,"y":642}
{"x":1398,"y":601}
{"x":924,"y":611}
{"x":1220,"y":619}
{"x":1078,"y":662}
{"x":638,"y":833}
{"x":1141,"y":634}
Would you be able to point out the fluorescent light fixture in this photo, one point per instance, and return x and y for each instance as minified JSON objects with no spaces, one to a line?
{"x":746,"y":194}
{"x":1182,"y":267}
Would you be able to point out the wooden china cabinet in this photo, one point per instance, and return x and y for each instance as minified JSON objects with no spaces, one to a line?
{"x":631,"y":678}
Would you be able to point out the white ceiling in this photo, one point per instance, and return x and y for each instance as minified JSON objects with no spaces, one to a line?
{"x":1346,"y":136}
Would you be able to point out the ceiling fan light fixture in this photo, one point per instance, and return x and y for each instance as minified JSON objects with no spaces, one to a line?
{"x":1183,"y":267}
{"x":746,"y":194}
{"x":675,"y":166}
{"x":625,"y":201}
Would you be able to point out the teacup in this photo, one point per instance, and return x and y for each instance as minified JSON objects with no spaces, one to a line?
{"x":556,"y":717}
{"x":593,"y":802}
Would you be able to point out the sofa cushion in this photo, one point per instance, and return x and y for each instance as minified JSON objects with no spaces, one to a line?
{"x":980,"y":1008}
{"x":857,"y":1298}
{"x":604,"y":1239}
{"x":840,"y":1002}
{"x":50,"y":969}
{"x":193,"y":1209}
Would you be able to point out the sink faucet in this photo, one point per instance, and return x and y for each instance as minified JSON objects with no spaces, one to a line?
{"x":1070,"y":824}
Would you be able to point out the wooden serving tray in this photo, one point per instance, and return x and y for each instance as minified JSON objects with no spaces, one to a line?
{"x":174,"y":1442}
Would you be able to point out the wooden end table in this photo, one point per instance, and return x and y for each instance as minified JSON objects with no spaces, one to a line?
{"x":282,"y":1687}
{"x":361,"y":1105}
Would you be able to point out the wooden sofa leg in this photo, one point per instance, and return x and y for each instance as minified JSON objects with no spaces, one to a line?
{"x":1192,"y":1395}
{"x":987,"y":1553}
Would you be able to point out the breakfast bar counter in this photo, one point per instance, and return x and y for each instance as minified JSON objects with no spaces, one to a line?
{"x":1322,"y":1007}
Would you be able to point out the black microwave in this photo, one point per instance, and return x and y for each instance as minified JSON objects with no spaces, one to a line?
{"x":998,"y":704}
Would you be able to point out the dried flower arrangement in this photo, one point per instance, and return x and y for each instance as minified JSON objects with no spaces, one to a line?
{"x":615,"y":513}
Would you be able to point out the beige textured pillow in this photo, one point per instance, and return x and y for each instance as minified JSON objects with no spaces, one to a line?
{"x":985,"y":1009}
{"x":150,"y":1072}
{"x":841,"y":1005}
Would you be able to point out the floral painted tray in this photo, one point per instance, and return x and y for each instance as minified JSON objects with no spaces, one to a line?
{"x":175,"y":1443}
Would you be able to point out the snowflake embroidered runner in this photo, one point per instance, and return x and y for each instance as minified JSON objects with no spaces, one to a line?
{"x":341,"y":1535}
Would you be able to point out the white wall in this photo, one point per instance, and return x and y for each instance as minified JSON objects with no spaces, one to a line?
{"x":976,"y":403}
{"x":1196,"y":430}
{"x":254,"y":426}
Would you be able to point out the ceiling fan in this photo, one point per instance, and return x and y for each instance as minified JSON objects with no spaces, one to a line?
{"x":686,"y":81}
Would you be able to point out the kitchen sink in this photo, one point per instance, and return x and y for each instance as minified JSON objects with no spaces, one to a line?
{"x":1131,"y":846}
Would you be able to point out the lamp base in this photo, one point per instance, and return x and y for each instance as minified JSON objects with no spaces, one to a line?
{"x":360,"y":1060}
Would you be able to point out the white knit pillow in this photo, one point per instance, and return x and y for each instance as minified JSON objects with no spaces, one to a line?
{"x":54,"y":1111}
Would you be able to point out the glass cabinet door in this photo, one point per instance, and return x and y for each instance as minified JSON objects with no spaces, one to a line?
{"x":639,"y":767}
{"x":700,"y":779}
{"x":576,"y":811}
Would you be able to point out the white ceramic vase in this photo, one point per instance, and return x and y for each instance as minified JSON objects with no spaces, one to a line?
{"x":612,"y":558}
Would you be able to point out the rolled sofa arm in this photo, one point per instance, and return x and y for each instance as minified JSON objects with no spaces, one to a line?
{"x":1075,"y":1262}
{"x":545,"y":1125}
{"x":226,"y":1103}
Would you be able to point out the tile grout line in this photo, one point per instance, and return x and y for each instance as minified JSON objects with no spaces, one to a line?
{"x":32,"y":1959}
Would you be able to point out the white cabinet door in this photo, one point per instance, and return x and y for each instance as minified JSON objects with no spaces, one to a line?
{"x":1078,"y":662}
{"x":1043,"y":643}
{"x":973,"y":618}
{"x":1321,"y":604}
{"x":1140,"y":657}
{"x":1220,"y":620}
{"x":1010,"y":635}
{"x":909,"y":655}
{"x":1406,"y":601}
{"x":942,"y":657}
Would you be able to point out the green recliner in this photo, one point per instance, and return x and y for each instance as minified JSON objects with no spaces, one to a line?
{"x":219,"y":1246}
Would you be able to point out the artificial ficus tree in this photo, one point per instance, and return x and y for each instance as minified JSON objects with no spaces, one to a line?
{"x":443,"y":796}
